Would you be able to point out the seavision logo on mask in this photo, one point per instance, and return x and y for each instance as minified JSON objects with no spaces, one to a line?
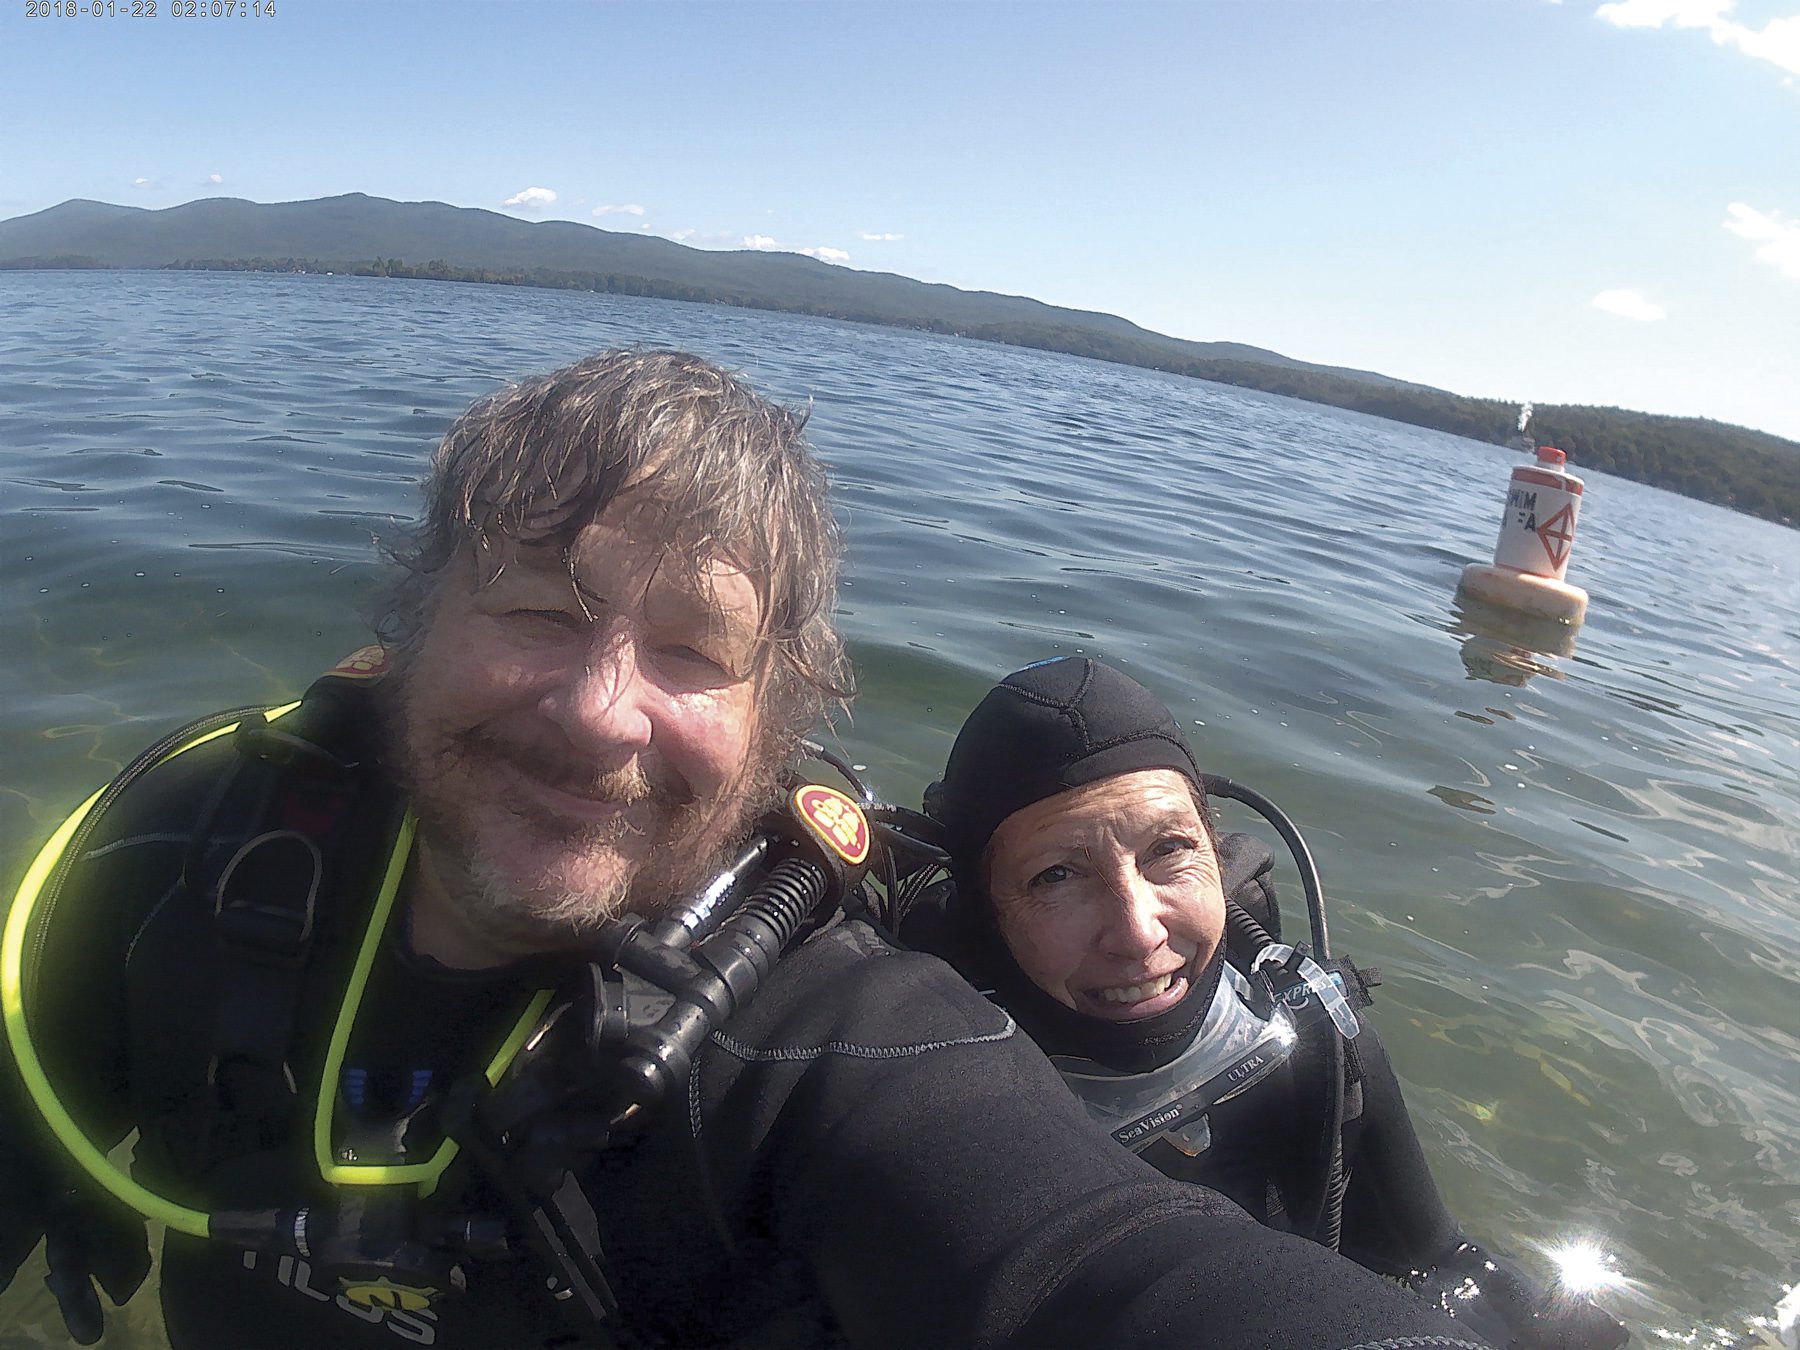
{"x":1135,"y":1131}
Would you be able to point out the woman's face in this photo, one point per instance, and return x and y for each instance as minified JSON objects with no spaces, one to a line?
{"x":1108,"y":894}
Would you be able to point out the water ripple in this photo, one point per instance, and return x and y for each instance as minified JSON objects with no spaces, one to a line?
{"x":1573,"y":856}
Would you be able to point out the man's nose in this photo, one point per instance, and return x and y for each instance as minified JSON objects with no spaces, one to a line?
{"x":602,"y":702}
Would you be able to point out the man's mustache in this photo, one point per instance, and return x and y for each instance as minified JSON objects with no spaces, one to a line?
{"x":625,"y":785}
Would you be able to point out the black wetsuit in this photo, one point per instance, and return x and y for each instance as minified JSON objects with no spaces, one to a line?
{"x":1395,"y":1221}
{"x":1264,"y":1152}
{"x":1263,"y":1148}
{"x":870,"y":1153}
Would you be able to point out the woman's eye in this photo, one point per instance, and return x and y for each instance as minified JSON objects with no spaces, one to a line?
{"x":1051,"y":876}
{"x":1173,"y":846}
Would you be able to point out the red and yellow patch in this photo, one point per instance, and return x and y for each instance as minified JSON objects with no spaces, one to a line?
{"x":838,"y":821}
{"x":365,"y":663}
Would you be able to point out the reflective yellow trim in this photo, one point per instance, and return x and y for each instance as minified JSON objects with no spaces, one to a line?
{"x":12,"y":994}
{"x":217,"y":732}
{"x":425,"y":1174}
{"x":96,"y":1164}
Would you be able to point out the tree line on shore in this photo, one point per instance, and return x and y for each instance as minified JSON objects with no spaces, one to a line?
{"x":1712,"y":461}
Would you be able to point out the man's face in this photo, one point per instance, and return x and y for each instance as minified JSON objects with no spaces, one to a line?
{"x":579,"y":734}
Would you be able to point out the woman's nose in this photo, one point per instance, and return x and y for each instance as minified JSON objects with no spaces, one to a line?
{"x":1136,"y":923}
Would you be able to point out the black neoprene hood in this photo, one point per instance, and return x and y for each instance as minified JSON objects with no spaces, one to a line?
{"x":1054,"y":725}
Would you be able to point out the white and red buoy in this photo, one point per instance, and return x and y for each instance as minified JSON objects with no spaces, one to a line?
{"x":1537,"y":535}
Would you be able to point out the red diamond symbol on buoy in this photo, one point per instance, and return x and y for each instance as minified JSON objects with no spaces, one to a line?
{"x":1557,"y":533}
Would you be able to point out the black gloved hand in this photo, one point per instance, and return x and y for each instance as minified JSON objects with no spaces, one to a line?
{"x":85,"y":1241}
{"x":73,"y":1284}
{"x":22,"y":1208}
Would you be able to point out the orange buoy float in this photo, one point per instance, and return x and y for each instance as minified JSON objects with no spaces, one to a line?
{"x":1537,"y":535}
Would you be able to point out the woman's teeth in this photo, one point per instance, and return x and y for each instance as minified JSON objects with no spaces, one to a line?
{"x":1137,"y":993}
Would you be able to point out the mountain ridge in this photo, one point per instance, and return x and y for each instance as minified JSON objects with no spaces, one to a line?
{"x":363,"y":227}
{"x":1747,"y":470}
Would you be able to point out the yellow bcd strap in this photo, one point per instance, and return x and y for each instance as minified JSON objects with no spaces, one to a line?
{"x":22,"y":921}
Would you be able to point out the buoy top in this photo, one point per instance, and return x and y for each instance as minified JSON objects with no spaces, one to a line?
{"x":1550,"y":457}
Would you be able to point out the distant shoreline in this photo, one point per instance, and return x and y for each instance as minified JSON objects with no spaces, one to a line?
{"x":1735,"y":467}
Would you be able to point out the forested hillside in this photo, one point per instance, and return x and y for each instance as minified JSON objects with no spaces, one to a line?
{"x":1712,"y":461}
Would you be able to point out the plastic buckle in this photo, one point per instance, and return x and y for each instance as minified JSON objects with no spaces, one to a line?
{"x":1298,"y":994}
{"x":1328,"y":989}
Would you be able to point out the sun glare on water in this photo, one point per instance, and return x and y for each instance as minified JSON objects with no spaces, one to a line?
{"x":1585,"y":1267}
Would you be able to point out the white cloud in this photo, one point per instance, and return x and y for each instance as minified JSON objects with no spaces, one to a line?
{"x":531,"y":199}
{"x":1777,"y":41}
{"x":679,"y":235}
{"x":1780,"y":239}
{"x":768,"y":242}
{"x":1627,"y":304}
{"x":215,"y":178}
{"x":142,"y":183}
{"x":885,"y":238}
{"x":629,"y":209}
{"x":1656,"y":13}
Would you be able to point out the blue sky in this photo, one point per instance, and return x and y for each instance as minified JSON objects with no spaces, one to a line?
{"x":1564,"y":202}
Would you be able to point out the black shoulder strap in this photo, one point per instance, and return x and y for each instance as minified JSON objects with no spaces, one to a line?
{"x":270,"y":850}
{"x":1330,"y":1073}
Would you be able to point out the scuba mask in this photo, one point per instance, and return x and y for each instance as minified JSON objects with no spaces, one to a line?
{"x":1233,"y":1050}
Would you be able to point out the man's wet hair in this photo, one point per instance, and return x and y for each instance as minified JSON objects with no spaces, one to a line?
{"x":713,"y":468}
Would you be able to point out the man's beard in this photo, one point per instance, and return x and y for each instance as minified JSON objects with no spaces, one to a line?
{"x":690,"y":840}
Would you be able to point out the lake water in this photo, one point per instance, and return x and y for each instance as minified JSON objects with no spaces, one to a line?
{"x":1576,"y":870}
